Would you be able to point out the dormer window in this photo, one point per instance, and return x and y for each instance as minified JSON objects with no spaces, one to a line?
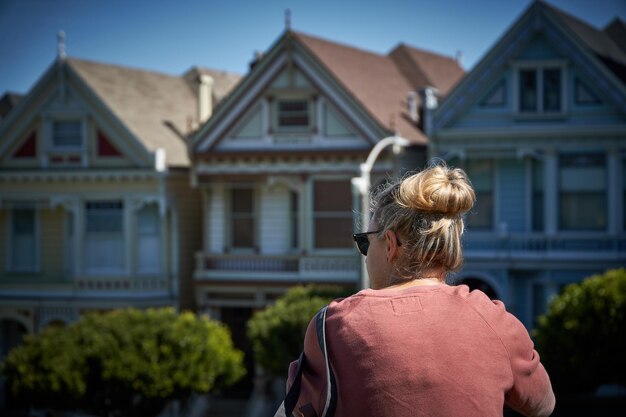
{"x":540,"y":89}
{"x":67,"y":134}
{"x":293,"y":115}
{"x":66,"y":141}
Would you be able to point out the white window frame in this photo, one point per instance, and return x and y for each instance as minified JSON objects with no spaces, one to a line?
{"x":538,"y":67}
{"x":63,"y":151}
{"x":37,"y":237}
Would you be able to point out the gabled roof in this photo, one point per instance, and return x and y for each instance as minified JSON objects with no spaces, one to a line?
{"x":608,"y":44}
{"x":602,"y":55}
{"x":378,"y":84}
{"x":7,"y":102}
{"x":157,"y":108}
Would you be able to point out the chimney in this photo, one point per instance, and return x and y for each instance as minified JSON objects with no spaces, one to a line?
{"x":429,"y":104}
{"x":411,"y":99}
{"x":205,"y":98}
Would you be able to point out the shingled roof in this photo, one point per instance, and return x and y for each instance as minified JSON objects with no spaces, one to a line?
{"x":609,"y":45}
{"x":380,"y":83}
{"x":157,"y":108}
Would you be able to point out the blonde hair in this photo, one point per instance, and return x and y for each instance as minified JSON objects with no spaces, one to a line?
{"x":426,"y":211}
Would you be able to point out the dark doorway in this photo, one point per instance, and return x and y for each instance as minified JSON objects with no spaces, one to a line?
{"x":236,"y":318}
{"x":479,"y":284}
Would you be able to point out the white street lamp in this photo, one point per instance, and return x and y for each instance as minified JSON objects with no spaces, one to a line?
{"x":363,"y":185}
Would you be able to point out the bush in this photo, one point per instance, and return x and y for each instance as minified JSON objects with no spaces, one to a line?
{"x":277,"y":333}
{"x":581,"y":337}
{"x":125,"y":362}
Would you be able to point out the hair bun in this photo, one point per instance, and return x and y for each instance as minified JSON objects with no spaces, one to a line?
{"x":438,"y":189}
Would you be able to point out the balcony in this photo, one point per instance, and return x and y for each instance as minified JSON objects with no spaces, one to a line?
{"x":540,"y":247}
{"x":282,"y":268}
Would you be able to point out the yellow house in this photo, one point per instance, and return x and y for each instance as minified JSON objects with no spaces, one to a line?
{"x":96,"y":208}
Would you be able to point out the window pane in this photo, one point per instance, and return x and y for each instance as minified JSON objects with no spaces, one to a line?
{"x":481,"y":216}
{"x":66,"y":134}
{"x":242,"y":200}
{"x":582,"y":211}
{"x":293,"y":113}
{"x":582,"y":182}
{"x":243,"y":233}
{"x":537,"y":195}
{"x":528,"y":90}
{"x":23,"y":245}
{"x":332,"y":196}
{"x":551,"y":90}
{"x":104,"y":217}
{"x":333,"y":233}
{"x":148,"y":220}
{"x":104,"y":237}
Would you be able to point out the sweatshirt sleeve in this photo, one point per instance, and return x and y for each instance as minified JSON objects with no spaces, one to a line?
{"x":531,"y":391}
{"x":313,"y":375}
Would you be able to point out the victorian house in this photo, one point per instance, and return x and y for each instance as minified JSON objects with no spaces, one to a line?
{"x":540,"y":126}
{"x":274,"y":164}
{"x":96,"y":208}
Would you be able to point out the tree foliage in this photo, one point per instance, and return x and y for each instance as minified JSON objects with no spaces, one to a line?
{"x":277,"y":333}
{"x":581,"y":337}
{"x":125,"y":362}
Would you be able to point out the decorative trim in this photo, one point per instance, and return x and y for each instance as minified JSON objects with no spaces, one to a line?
{"x":76,"y":176}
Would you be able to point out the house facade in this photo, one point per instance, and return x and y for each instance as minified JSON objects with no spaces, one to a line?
{"x":540,"y":126}
{"x":274,"y":167}
{"x":96,"y":208}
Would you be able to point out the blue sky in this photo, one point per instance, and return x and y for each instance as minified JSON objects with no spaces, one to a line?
{"x":170,"y":36}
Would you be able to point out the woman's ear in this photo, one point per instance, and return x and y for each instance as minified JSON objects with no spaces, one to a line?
{"x":391,"y":242}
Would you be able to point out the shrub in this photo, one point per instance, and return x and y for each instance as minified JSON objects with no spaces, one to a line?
{"x":581,"y":337}
{"x":125,"y":362}
{"x":277,"y":333}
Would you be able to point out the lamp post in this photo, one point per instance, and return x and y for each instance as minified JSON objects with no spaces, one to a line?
{"x":363,"y":185}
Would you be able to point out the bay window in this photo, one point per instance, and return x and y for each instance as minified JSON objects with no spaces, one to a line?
{"x":242,"y":221}
{"x":480,"y":172}
{"x":23,"y":240}
{"x":148,"y":240}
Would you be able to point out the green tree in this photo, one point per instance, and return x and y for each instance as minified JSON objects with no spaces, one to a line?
{"x":277,"y":333}
{"x":123,"y":363}
{"x":581,"y":337}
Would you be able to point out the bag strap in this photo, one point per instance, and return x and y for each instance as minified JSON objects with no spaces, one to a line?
{"x":291,"y":399}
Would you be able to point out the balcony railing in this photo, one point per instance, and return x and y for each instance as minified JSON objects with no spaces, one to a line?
{"x":338,"y":268}
{"x":538,"y":246}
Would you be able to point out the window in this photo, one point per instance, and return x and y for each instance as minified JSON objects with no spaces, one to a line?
{"x":23,"y":247}
{"x":293,"y":115}
{"x":294,"y":219}
{"x":537,"y":196}
{"x":540,"y":90}
{"x":148,"y":240}
{"x":242,"y":218}
{"x":480,"y":172}
{"x":332,"y":214}
{"x":67,"y":134}
{"x":582,"y":197}
{"x":104,"y":237}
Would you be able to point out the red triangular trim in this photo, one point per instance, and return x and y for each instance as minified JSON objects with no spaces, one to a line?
{"x":28,"y":148}
{"x":105,"y":148}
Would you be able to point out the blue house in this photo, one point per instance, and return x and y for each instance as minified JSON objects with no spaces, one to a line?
{"x":539,"y":124}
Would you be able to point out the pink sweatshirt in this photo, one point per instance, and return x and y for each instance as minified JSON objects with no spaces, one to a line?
{"x":424,"y":351}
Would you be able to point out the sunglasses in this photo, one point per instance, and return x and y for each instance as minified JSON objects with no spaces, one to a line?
{"x":362,"y":241}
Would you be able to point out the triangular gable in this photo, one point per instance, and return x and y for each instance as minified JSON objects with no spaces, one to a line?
{"x":524,"y":40}
{"x":28,"y":148}
{"x":60,"y":95}
{"x":270,"y":71}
